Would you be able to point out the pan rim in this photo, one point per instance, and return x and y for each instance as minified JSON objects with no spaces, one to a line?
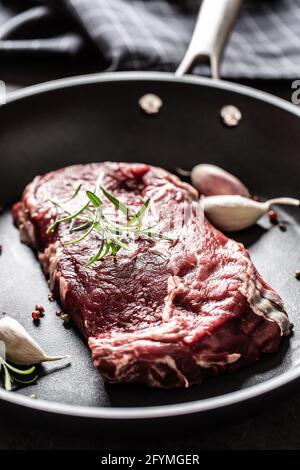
{"x":94,"y":78}
{"x":151,"y":412}
{"x":158,"y":411}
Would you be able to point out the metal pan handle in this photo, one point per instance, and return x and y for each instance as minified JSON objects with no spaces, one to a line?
{"x":213,"y":26}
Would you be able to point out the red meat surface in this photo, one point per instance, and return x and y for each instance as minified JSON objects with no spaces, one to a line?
{"x":165,"y":314}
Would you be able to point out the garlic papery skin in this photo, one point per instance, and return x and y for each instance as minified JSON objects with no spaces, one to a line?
{"x":212,"y":180}
{"x":20,"y":347}
{"x":232,"y":213}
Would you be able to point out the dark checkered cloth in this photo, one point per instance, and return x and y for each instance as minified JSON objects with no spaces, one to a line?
{"x":152,"y":34}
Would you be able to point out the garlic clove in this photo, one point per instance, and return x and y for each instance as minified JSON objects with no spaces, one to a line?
{"x":232,"y":213}
{"x":20,"y":347}
{"x":212,"y":180}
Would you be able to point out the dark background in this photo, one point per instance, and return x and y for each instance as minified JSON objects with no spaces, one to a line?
{"x":274,"y":426}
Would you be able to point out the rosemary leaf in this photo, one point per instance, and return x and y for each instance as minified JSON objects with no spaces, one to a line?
{"x":114,"y":249}
{"x":10,"y":378}
{"x":118,"y":204}
{"x":7,"y":379}
{"x":71,"y":242}
{"x":94,"y":199}
{"x":138,"y":215}
{"x":20,"y":371}
{"x":66,"y":219}
{"x":107,"y":250}
{"x":74,"y":194}
{"x":80,"y":227}
{"x":121,"y":244}
{"x":95,"y":258}
{"x":71,"y":227}
{"x":26,"y":382}
{"x":59,"y":206}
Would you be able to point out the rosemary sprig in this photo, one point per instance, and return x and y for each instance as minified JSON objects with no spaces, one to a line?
{"x":12,"y":375}
{"x":72,"y":196}
{"x":91,"y":218}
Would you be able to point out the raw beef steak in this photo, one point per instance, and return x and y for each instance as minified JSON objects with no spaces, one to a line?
{"x":165,"y":314}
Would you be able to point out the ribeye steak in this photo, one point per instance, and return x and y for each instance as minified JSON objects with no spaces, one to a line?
{"x":165,"y":314}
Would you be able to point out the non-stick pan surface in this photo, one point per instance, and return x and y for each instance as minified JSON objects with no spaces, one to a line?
{"x":97,"y":118}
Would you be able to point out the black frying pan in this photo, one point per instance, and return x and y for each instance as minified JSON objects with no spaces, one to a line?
{"x":96,"y":118}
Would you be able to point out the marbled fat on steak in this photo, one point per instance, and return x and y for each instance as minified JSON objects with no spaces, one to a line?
{"x":165,"y":314}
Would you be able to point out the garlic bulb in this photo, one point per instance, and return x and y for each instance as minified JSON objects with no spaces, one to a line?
{"x":232,"y":213}
{"x":211,"y":180}
{"x":20,"y":347}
